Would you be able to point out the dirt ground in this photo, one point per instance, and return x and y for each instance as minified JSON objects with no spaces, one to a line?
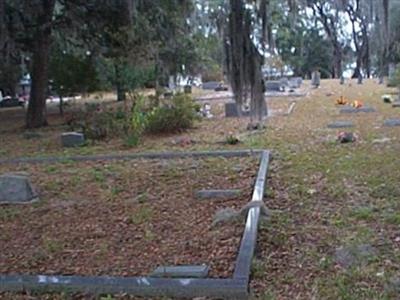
{"x":124,"y":218}
{"x":324,"y":196}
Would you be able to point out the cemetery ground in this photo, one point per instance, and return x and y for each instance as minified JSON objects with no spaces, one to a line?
{"x":334,"y":229}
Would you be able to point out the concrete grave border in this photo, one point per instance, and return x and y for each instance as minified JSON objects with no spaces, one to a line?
{"x":231,"y":288}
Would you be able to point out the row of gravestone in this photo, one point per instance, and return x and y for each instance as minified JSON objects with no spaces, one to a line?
{"x":365,"y":109}
{"x":283,"y":84}
{"x":349,"y":124}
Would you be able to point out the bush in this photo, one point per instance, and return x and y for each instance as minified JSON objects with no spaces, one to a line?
{"x":175,"y":116}
{"x":99,"y":122}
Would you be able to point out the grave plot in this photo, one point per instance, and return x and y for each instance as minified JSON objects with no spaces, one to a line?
{"x":125,"y":218}
{"x":107,"y":226}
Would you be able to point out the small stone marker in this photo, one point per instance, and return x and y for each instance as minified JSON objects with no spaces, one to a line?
{"x":341,"y":124}
{"x":396,"y":104}
{"x":316,"y":79}
{"x":274,"y":86}
{"x":218,"y":194}
{"x":210,"y":85}
{"x":181,"y":272}
{"x":187,"y":89}
{"x":360,"y":79}
{"x":352,"y":110}
{"x":72,"y":139}
{"x":342,"y":80}
{"x":231,"y":110}
{"x":284,"y":81}
{"x":391,"y":122}
{"x":15,"y":189}
{"x":295,"y":82}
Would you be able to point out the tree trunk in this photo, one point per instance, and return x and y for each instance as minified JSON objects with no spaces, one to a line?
{"x":61,"y":105}
{"x":337,"y":54}
{"x":37,"y":102}
{"x":121,"y":93}
{"x":357,"y":70}
{"x":36,"y":114}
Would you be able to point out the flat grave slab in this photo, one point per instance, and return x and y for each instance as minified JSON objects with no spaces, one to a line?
{"x":210,"y":85}
{"x":352,"y":110}
{"x":391,"y":122}
{"x":181,"y":272}
{"x":396,"y":104}
{"x":217,"y":194}
{"x":341,"y":124}
{"x":274,"y":86}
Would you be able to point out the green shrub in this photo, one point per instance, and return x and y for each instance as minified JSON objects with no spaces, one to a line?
{"x":177,"y":115}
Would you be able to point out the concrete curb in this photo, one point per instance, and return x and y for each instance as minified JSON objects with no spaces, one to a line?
{"x":233,"y":288}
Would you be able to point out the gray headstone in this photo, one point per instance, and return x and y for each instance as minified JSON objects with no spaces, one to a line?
{"x":284,"y":81}
{"x":316,"y":78}
{"x":381,"y":80}
{"x":360,"y":79}
{"x":16,"y":189}
{"x":392,"y":70}
{"x":217,"y":194}
{"x":210,"y":85}
{"x":391,"y":122}
{"x":341,"y":124}
{"x":352,"y":110}
{"x":231,"y":110}
{"x":181,"y":272}
{"x":342,"y":80}
{"x":274,"y":86}
{"x":72,"y":139}
{"x":295,"y":82}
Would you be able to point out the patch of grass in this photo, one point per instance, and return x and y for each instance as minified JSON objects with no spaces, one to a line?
{"x":52,"y":185}
{"x":142,"y":198}
{"x":351,"y":285}
{"x":132,"y":141}
{"x":386,"y":190}
{"x":98,"y":175}
{"x":363,"y":213}
{"x":267,"y":295}
{"x":51,"y":169}
{"x":8,"y":213}
{"x":393,"y":218}
{"x":257,"y":269}
{"x":143,"y":215}
{"x":149,"y":235}
{"x":53,"y":246}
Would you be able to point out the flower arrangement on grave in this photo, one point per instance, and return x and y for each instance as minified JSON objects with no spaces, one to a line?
{"x":341,"y":101}
{"x":346,"y":137}
{"x":357,"y":104}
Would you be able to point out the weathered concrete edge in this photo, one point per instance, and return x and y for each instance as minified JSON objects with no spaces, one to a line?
{"x":236,"y":288}
{"x":138,"y":286}
{"x":249,"y":238}
{"x":156,"y":155}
